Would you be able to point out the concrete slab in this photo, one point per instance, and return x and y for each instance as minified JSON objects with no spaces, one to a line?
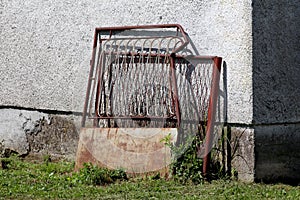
{"x":136,"y":150}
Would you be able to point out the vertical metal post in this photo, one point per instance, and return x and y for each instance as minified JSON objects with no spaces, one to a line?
{"x":212,"y":112}
{"x":228,"y":147}
{"x":99,"y":88}
{"x":175,"y":90}
{"x":92,"y":66}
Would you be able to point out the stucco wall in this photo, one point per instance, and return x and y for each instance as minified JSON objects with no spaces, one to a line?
{"x":45,"y":46}
{"x":276,"y":89}
{"x":276,"y":61}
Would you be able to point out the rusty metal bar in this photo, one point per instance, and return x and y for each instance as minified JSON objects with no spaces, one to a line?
{"x":178,"y":56}
{"x":211,"y":112}
{"x":92,"y":66}
{"x":174,"y":88}
{"x":131,"y":117}
{"x":123,"y":28}
{"x":147,"y":78}
{"x":98,"y":89}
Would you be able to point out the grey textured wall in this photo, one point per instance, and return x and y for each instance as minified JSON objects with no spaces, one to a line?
{"x":45,"y":46}
{"x":276,"y":89}
{"x":276,"y":61}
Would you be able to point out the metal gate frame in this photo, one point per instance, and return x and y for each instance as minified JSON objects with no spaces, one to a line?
{"x":173,"y":56}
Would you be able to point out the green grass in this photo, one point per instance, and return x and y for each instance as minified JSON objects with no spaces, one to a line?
{"x":48,"y":180}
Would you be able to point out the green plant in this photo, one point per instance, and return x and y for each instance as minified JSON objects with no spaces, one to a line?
{"x":47,"y":159}
{"x":5,"y":163}
{"x":186,"y":165}
{"x":36,"y":180}
{"x":167,"y":140}
{"x":94,"y":175}
{"x":11,"y":162}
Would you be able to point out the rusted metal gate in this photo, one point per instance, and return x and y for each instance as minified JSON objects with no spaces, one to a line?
{"x":146,"y":80}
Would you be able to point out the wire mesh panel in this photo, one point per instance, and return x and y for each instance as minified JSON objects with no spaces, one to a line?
{"x":131,"y":85}
{"x":194,"y":81}
{"x":147,"y":76}
{"x":133,"y":88}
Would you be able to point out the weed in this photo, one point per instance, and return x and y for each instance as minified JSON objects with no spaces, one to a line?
{"x":47,"y":159}
{"x":5,"y":163}
{"x":31,"y":180}
{"x":94,"y":175}
{"x":186,"y":165}
{"x":12,"y":162}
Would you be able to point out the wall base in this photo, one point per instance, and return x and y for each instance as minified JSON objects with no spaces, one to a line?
{"x":34,"y":132}
{"x":242,"y":153}
{"x":277,"y":153}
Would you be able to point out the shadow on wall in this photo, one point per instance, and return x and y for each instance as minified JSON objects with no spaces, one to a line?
{"x":222,"y":106}
{"x":276,"y":61}
{"x":276,"y":89}
{"x":222,"y":155}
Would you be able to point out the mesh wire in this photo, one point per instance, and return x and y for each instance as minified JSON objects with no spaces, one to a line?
{"x":132,"y":84}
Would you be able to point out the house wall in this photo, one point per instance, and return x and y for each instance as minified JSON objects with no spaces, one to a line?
{"x":45,"y":48}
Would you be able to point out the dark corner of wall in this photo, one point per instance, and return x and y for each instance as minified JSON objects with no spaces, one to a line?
{"x":276,"y":89}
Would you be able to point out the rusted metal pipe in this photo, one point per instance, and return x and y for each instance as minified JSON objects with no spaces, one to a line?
{"x":212,"y":112}
{"x":175,"y":90}
{"x":92,"y":66}
{"x":128,"y":68}
{"x":124,"y":28}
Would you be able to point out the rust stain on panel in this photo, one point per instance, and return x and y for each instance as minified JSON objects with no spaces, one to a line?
{"x":135,"y":150}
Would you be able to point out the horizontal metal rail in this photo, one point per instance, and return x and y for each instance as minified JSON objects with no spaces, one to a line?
{"x":145,"y":74}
